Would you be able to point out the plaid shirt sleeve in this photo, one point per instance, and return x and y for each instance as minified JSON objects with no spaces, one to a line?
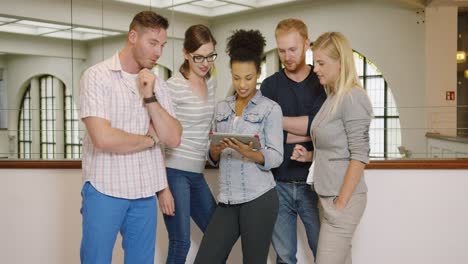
{"x":94,"y":95}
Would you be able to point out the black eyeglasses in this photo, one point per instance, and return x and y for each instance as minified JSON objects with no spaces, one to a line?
{"x":200,"y":58}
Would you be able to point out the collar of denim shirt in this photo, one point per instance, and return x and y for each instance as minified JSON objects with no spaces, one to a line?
{"x":232,"y":100}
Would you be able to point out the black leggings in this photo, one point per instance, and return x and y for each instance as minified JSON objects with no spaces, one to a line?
{"x":252,"y":221}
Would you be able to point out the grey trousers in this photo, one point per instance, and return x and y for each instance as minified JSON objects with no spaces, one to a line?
{"x":337,"y":229}
{"x":252,"y":221}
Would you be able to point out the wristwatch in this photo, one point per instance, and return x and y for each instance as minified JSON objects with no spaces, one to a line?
{"x":148,"y":100}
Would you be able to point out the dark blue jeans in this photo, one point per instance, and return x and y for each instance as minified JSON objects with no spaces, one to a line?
{"x":295,"y":199}
{"x":192,"y":198}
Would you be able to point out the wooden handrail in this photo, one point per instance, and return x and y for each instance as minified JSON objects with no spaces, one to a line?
{"x":400,"y":164}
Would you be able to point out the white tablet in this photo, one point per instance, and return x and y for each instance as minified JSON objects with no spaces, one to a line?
{"x":215,"y":137}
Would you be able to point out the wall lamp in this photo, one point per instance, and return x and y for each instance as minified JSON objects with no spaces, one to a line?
{"x":461,"y":56}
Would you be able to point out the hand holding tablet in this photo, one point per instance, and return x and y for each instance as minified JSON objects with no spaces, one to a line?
{"x":216,"y":137}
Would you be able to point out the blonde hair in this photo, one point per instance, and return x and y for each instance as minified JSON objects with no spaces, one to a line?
{"x":290,"y":25}
{"x":336,"y":46}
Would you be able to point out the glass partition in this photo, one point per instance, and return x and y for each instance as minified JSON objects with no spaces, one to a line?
{"x":45,"y":47}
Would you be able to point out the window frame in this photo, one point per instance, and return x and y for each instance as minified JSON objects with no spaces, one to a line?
{"x":27,"y":144}
{"x":385,"y":117}
{"x":68,"y":96}
{"x":45,"y":144}
{"x":47,"y":113}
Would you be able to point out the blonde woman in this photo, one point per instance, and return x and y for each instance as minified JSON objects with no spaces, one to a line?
{"x":340,"y":134}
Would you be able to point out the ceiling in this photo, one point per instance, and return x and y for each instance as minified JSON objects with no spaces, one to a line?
{"x":462,"y":4}
{"x":216,"y":8}
{"x":208,"y":8}
{"x":203,"y":8}
{"x":35,"y":28}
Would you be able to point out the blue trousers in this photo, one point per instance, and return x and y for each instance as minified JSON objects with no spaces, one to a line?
{"x":105,"y":216}
{"x":192,"y":198}
{"x":295,"y":199}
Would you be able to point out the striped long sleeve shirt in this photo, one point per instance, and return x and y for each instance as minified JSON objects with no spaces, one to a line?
{"x":195,"y":114}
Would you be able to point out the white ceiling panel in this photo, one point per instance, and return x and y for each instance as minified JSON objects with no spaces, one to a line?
{"x":42,"y":24}
{"x":228,"y":9}
{"x":207,"y":8}
{"x":157,"y":3}
{"x":95,"y":31}
{"x":6,"y":20}
{"x":249,"y":3}
{"x":139,"y":2}
{"x":193,"y":9}
{"x":25,"y":29}
{"x":19,"y":29}
{"x":263,"y":3}
{"x":60,"y":34}
{"x":209,"y":4}
{"x":210,"y":12}
{"x":37,"y":28}
{"x":169,"y":3}
{"x":76,"y":35}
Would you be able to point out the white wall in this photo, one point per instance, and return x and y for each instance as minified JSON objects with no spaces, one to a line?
{"x":42,"y":46}
{"x":4,"y":144}
{"x":412,"y":217}
{"x":441,"y":75}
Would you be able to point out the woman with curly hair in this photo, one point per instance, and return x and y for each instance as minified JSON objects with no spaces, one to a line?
{"x":248,"y":202}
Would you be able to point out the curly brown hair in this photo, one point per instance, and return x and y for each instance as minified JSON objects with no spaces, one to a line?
{"x":246,"y":46}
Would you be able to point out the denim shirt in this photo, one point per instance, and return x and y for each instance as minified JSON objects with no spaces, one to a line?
{"x":241,"y":179}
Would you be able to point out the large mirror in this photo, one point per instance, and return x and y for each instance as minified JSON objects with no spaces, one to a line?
{"x":404,"y":49}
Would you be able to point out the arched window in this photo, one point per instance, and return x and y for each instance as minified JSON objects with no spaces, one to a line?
{"x":48,"y":123}
{"x":385,"y":131}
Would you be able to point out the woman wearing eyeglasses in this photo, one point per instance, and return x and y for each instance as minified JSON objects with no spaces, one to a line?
{"x":188,"y":195}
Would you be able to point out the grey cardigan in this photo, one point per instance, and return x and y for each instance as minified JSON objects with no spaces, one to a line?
{"x":339,"y":137}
